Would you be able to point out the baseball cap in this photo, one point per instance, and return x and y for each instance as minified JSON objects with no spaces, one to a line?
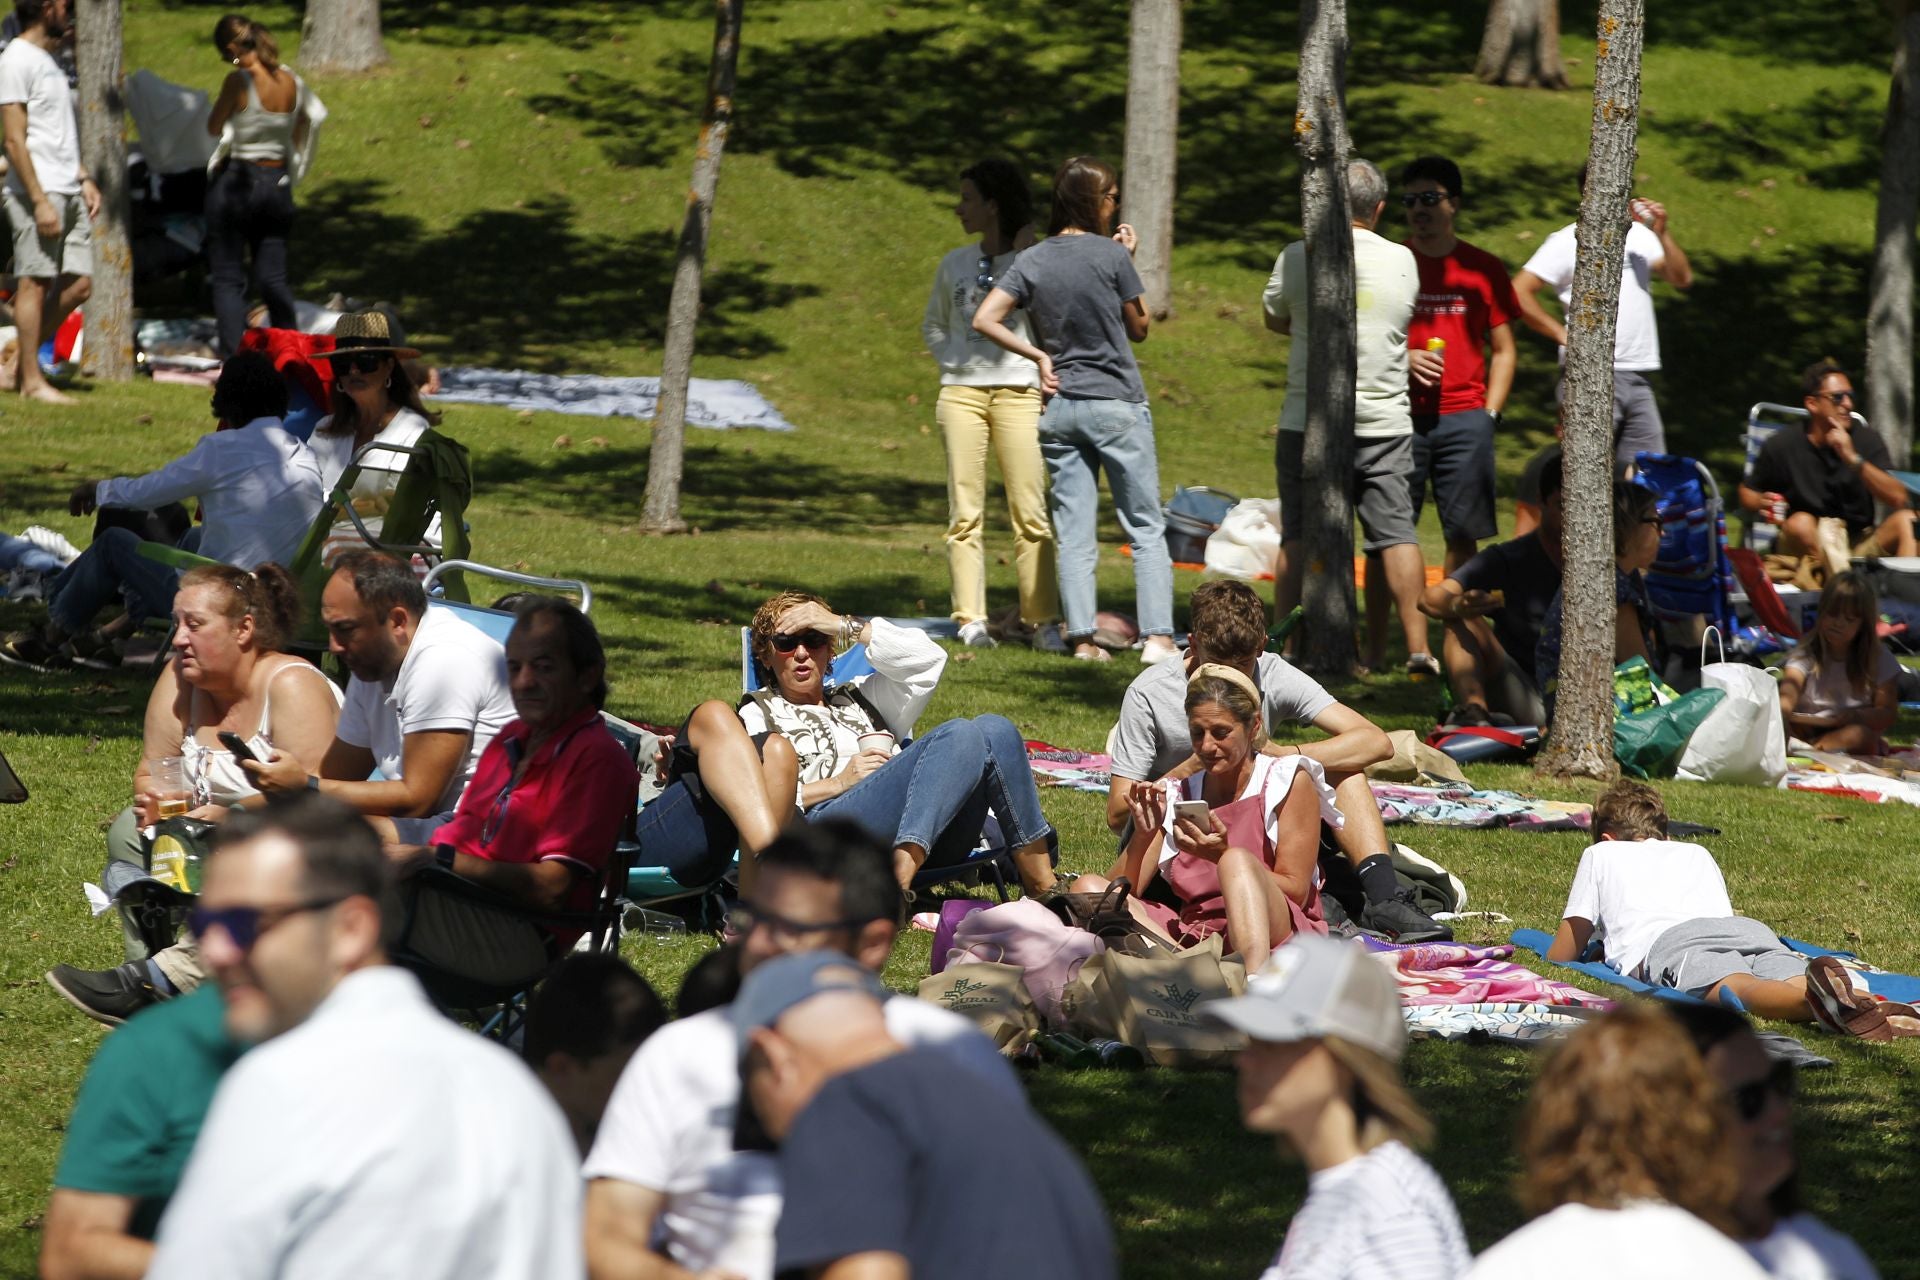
{"x":777,"y":985}
{"x":1316,"y":986}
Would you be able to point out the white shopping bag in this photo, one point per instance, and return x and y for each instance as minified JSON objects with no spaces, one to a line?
{"x":1248,"y":540}
{"x":1744,"y":739}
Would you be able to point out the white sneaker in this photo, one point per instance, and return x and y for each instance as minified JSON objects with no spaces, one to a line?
{"x":1049,"y":640}
{"x":1158,"y":649}
{"x":974,"y":636}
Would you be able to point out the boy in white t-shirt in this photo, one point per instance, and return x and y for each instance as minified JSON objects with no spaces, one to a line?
{"x":1660,"y":910}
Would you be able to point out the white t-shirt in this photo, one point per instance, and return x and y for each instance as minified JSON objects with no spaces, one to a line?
{"x":669,"y":1127}
{"x":1804,"y":1248}
{"x":377,"y":1138}
{"x":1270,"y":779}
{"x":453,"y":677}
{"x":1830,"y":689}
{"x":1381,"y":1216}
{"x":1386,"y":284}
{"x":30,"y":75}
{"x":968,"y":358}
{"x":380,"y":472}
{"x":1636,"y":337}
{"x":1648,"y":1241}
{"x":1635,"y":890}
{"x":1152,"y":735}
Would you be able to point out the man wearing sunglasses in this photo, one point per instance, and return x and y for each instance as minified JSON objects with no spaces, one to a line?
{"x":367,"y":1134}
{"x":1834,"y":467}
{"x":679,"y":1181}
{"x":1466,"y":302}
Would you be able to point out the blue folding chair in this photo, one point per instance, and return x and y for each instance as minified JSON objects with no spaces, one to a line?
{"x":1691,"y":583}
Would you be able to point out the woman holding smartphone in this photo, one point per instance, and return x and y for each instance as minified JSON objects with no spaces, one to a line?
{"x":1079,"y":288}
{"x":990,"y":399}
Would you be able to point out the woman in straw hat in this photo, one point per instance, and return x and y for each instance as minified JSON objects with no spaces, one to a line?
{"x":375,"y":401}
{"x":1249,"y":866}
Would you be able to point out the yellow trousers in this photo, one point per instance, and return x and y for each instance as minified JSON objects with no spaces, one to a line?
{"x":1007,"y":419}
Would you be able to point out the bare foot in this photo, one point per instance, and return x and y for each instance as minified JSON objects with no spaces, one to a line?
{"x":47,"y":395}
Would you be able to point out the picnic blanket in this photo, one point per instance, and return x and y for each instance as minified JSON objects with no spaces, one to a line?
{"x":1454,"y":973}
{"x":1881,"y":982}
{"x":1456,"y":806}
{"x":710,"y":403}
{"x":1875,"y":779}
{"x":1503,"y":1023}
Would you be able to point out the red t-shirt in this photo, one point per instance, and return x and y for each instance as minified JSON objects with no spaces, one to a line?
{"x":570,"y":805}
{"x":1463,"y":297}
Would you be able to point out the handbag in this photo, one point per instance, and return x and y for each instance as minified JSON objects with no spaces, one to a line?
{"x":1105,"y":915}
{"x":1744,"y":739}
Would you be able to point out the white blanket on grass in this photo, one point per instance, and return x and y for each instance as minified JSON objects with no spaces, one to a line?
{"x":710,"y":403}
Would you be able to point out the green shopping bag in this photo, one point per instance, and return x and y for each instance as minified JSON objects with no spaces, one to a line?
{"x":1648,"y":744}
{"x":1637,"y":689}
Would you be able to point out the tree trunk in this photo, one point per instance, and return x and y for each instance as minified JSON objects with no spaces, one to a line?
{"x":342,"y":35}
{"x":1521,"y":46}
{"x":1889,"y":390}
{"x":103,"y":148}
{"x":1320,"y":133}
{"x":660,"y":513}
{"x":1153,"y":132}
{"x":1582,"y":737}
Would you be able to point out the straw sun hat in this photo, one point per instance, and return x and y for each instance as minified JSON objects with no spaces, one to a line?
{"x":358,"y":331}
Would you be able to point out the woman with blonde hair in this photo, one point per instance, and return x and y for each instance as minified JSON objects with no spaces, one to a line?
{"x":1322,"y":1072}
{"x":1840,"y":687}
{"x":1630,"y":1161}
{"x":1238,"y":841}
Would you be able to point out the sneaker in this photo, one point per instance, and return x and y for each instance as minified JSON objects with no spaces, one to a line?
{"x":1088,"y":651}
{"x":1404,"y":922}
{"x":1838,"y":1007}
{"x":974,"y":636}
{"x":1049,"y":640}
{"x":1469,"y":714}
{"x":1422,"y":665}
{"x":27,"y":584}
{"x":31,"y":650}
{"x":106,"y":995}
{"x":1158,"y":649}
{"x":94,"y":650}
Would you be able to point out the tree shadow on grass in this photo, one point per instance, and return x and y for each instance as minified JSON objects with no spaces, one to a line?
{"x":526,"y":286}
{"x":1799,"y":137}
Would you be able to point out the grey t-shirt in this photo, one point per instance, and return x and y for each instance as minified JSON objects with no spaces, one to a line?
{"x":1152,"y":735}
{"x":1073,"y":288}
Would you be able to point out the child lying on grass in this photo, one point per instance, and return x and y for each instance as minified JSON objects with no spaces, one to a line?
{"x":1661,"y":911}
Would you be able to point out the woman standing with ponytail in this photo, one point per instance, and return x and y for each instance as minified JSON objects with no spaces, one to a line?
{"x":263,"y":119}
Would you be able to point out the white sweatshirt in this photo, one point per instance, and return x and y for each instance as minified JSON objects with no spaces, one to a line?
{"x":968,"y":359}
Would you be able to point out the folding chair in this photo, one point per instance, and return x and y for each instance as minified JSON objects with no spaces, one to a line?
{"x":1763,"y":419}
{"x":1691,"y":582}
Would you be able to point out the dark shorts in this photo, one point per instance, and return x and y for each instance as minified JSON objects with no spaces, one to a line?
{"x":1379,"y":492}
{"x":1455,"y":452}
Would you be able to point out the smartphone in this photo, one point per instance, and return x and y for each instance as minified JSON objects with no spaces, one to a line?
{"x":1195,"y":811}
{"x":236,"y":744}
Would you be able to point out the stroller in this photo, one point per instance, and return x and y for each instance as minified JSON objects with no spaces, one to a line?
{"x":1691,"y":583}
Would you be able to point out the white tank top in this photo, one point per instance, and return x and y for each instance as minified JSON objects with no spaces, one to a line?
{"x":213,"y":773}
{"x":259,"y":134}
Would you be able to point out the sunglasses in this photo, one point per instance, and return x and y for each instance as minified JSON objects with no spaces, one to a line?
{"x":1427,"y":198}
{"x":1839,"y":397}
{"x":1750,"y":1099}
{"x":985,"y":278}
{"x":360,"y":362}
{"x":746,"y":917}
{"x":784,"y":643}
{"x":245,"y":925}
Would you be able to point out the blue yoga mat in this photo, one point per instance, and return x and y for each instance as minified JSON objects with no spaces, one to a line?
{"x":1892,"y":986}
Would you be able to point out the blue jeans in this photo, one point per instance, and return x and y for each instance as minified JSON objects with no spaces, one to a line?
{"x":18,"y":553}
{"x":111,"y":563}
{"x":1079,"y":438}
{"x":936,"y":792}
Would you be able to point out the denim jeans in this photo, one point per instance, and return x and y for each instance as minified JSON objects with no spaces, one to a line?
{"x":936,"y":792}
{"x":1079,"y":438}
{"x":111,"y":563}
{"x":249,"y":212}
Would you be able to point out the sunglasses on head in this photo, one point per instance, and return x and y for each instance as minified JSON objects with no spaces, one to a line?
{"x":359,"y":361}
{"x":245,"y":925}
{"x":784,"y":643}
{"x":1427,"y":198}
{"x":985,"y":277}
{"x":1750,"y":1099}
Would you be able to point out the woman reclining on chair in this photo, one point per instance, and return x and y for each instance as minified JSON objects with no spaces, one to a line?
{"x":1251,"y":869}
{"x":226,"y":675}
{"x":928,"y":798}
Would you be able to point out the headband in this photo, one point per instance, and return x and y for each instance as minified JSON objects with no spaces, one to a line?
{"x":1239,"y":680}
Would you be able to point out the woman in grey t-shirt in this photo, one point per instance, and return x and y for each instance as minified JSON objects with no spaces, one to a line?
{"x":1083,"y":297}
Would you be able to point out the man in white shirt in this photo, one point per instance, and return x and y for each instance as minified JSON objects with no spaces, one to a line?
{"x":368,"y":1135}
{"x":258,"y":487}
{"x":426,"y":695}
{"x":681,"y":1180}
{"x":1386,"y":284}
{"x":49,"y":196}
{"x":1651,"y":252}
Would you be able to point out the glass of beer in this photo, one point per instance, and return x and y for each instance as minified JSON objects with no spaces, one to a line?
{"x":170,"y":787}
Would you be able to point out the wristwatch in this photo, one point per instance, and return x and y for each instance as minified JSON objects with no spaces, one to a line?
{"x":443,"y":856}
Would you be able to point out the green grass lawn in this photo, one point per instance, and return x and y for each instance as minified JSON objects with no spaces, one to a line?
{"x":514,"y":183}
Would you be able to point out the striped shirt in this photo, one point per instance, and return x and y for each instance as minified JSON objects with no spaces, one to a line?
{"x":1382,"y":1216}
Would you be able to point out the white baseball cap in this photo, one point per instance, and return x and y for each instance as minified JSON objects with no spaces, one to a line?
{"x":1314,"y":987}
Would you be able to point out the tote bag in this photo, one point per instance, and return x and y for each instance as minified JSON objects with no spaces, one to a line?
{"x":1744,"y":739}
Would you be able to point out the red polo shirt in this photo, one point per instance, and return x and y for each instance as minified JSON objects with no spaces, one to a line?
{"x":1463,"y":296}
{"x":577,"y":791}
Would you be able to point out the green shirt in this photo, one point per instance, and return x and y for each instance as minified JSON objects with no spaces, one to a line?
{"x":141,"y":1106}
